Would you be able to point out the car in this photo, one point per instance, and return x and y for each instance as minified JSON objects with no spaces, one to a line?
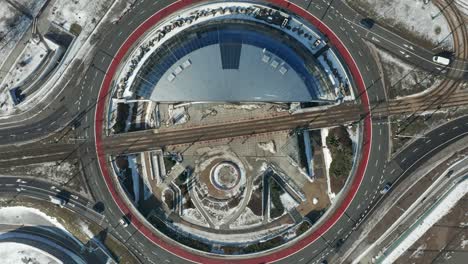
{"x":317,"y":43}
{"x":449,"y":173}
{"x":367,"y":22}
{"x":386,"y":188}
{"x":58,"y":201}
{"x":124,"y":221}
{"x":441,"y":60}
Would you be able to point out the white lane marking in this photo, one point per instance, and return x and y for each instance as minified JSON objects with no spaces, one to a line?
{"x":441,"y":134}
{"x":120,"y":33}
{"x":379,"y":147}
{"x":376,"y":162}
{"x":403,"y":160}
{"x":414,"y":150}
{"x":372,"y":178}
{"x":455,"y":127}
{"x":428,"y":141}
{"x":380,"y":131}
{"x":53,"y":123}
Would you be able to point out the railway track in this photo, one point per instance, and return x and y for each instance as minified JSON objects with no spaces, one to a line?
{"x":447,"y":94}
{"x":137,"y":141}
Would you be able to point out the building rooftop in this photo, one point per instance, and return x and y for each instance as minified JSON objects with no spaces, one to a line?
{"x":236,"y":62}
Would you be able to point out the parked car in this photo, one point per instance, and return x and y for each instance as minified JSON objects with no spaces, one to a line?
{"x":316,"y":43}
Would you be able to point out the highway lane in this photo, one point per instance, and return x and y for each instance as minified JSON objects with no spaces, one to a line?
{"x":390,"y":41}
{"x":38,"y":189}
{"x":12,"y":187}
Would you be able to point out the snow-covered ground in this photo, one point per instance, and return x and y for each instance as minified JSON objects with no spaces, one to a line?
{"x":287,"y":201}
{"x":405,"y":79}
{"x":328,"y":160}
{"x":194,"y":216}
{"x":422,"y":20}
{"x":33,"y":6}
{"x":422,"y":225}
{"x":268,"y":146}
{"x":83,"y":12}
{"x":26,"y":63}
{"x":19,"y":215}
{"x":13,"y":25}
{"x":246,"y":219}
{"x":13,"y":253}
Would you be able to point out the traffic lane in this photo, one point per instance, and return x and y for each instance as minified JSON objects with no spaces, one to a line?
{"x":119,"y":32}
{"x":22,"y":134}
{"x":359,"y":51}
{"x":353,"y":45}
{"x":113,"y":215}
{"x":45,"y":190}
{"x":373,"y":176}
{"x":387,"y":39}
{"x":51,"y":114}
{"x":308,"y":253}
{"x":393,"y":43}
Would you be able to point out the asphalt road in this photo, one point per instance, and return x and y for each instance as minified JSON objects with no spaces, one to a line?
{"x":83,"y":93}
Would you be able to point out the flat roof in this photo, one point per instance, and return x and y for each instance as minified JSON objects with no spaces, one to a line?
{"x":228,"y":63}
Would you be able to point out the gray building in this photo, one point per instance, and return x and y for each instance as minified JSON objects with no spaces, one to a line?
{"x":231,"y":62}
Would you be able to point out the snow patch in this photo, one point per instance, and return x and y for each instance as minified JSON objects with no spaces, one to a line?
{"x":268,"y":146}
{"x":13,"y":253}
{"x":246,"y":219}
{"x":288,"y":202}
{"x":424,"y":20}
{"x":328,"y":160}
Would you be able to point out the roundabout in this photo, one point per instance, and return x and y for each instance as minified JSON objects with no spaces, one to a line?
{"x":227,"y":177}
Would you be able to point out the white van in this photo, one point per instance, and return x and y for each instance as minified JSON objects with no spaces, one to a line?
{"x":57,"y":201}
{"x":441,"y":60}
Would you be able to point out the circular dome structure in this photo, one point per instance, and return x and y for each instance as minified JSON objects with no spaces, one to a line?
{"x":225,"y":176}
